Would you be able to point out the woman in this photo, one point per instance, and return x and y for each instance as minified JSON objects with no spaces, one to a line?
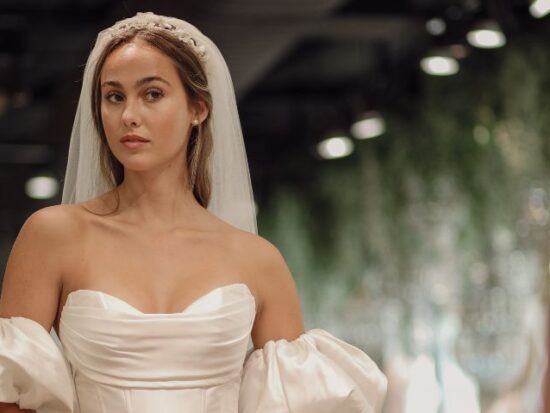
{"x":151,"y":272}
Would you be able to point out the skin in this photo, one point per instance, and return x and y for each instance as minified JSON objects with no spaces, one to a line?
{"x":161,"y":250}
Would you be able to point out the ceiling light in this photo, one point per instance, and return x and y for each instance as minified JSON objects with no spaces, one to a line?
{"x":436,"y":26}
{"x":439,"y":65}
{"x":42,"y":187}
{"x":539,"y":8}
{"x":335,"y":147}
{"x":369,"y":125}
{"x":486,"y":35}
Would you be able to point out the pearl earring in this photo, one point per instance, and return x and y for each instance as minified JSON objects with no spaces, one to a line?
{"x":195,"y":122}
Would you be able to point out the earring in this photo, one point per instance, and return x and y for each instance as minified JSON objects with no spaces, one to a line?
{"x":195,"y":122}
{"x":195,"y":156}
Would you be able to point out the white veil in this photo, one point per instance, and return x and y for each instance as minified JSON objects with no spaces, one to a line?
{"x":231,"y":197}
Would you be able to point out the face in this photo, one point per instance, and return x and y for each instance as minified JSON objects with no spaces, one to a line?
{"x":142,"y":94}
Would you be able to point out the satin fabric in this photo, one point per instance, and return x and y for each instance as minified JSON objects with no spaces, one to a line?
{"x":33,"y":371}
{"x":117,"y":359}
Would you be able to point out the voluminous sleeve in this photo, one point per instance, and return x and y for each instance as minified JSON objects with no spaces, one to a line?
{"x":33,"y":371}
{"x":315,"y":373}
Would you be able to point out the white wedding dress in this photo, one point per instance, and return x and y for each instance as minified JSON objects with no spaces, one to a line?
{"x":116,"y":359}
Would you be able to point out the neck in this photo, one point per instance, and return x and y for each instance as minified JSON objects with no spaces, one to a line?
{"x":158,"y":202}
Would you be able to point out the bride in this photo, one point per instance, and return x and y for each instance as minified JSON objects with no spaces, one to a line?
{"x":148,"y":288}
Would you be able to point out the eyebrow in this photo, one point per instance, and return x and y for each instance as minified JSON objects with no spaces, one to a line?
{"x":139,"y":83}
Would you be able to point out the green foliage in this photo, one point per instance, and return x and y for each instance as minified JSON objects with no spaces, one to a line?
{"x":462,"y":154}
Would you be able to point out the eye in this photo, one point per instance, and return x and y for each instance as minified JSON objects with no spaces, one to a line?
{"x":108,"y":97}
{"x":155,"y":94}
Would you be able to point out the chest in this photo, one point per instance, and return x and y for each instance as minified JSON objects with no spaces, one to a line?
{"x":156,"y":272}
{"x":145,"y":258}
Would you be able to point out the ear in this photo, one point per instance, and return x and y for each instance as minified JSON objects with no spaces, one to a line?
{"x":200,"y":111}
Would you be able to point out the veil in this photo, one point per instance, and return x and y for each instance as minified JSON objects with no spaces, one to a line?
{"x":231,"y":192}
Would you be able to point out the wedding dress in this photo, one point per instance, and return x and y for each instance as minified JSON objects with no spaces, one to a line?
{"x":117,"y":359}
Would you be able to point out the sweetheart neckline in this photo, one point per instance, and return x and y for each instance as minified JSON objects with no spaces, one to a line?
{"x":201,"y":297}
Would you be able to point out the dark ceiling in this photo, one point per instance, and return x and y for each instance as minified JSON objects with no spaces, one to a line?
{"x":300,"y":67}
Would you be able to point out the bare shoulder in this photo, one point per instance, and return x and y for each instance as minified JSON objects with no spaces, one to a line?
{"x":265,"y":259}
{"x":278,"y":311}
{"x":58,"y":220}
{"x":33,"y":278}
{"x":263,"y":250}
{"x":270,"y":273}
{"x":53,"y":226}
{"x":50,"y":231}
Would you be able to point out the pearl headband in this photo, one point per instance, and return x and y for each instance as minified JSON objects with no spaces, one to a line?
{"x":154,"y":22}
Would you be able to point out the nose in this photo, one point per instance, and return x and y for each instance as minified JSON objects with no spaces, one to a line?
{"x":130,"y":114}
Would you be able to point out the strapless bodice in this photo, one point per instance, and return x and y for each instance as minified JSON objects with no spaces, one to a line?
{"x":116,"y":358}
{"x":117,"y":352}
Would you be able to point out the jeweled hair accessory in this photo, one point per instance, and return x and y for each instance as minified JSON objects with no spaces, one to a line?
{"x":151,"y":21}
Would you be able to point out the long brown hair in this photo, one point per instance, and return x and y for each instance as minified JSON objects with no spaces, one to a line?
{"x":194,"y":80}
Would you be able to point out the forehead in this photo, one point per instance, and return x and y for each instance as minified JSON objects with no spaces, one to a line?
{"x":137,"y":60}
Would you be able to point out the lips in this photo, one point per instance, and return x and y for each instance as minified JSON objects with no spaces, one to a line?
{"x":133,"y":138}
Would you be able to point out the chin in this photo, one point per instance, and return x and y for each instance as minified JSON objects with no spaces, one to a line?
{"x":133,"y":167}
{"x":133,"y":164}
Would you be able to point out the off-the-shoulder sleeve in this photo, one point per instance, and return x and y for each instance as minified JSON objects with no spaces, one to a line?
{"x":33,"y":371}
{"x":316,"y":373}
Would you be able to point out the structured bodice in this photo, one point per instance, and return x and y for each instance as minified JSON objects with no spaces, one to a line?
{"x":114,"y":349}
{"x":115,"y":358}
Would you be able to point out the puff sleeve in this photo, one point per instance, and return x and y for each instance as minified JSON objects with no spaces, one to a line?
{"x":33,"y":371}
{"x":315,"y":373}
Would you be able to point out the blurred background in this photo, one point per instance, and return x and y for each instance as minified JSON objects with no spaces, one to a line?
{"x":400,"y":160}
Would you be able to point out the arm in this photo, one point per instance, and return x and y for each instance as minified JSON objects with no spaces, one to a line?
{"x":301,"y":371}
{"x":32,"y":281}
{"x":279,"y":314}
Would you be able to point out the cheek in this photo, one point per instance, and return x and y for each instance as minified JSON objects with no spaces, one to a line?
{"x":173,"y":123}
{"x":110,"y":127}
{"x":107,"y":120}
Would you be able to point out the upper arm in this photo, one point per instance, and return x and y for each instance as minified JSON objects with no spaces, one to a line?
{"x":279,"y":314}
{"x":32,"y":282}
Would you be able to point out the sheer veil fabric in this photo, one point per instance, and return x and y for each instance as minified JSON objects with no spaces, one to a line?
{"x":232,"y":198}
